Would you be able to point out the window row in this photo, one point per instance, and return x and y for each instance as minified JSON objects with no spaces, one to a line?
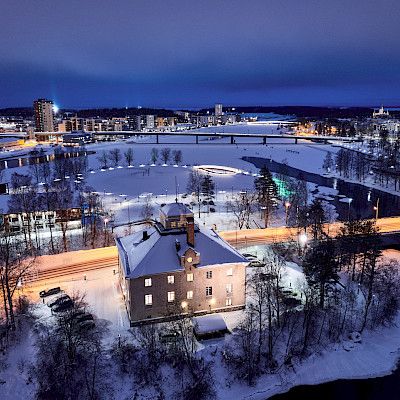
{"x":189,"y":277}
{"x":148,"y":298}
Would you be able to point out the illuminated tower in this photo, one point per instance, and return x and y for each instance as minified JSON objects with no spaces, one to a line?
{"x":44,"y":117}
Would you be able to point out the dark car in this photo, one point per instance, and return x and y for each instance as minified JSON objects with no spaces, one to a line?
{"x":86,"y":325}
{"x":58,"y":299}
{"x":62,"y":306}
{"x":50,"y":292}
{"x":84,"y":317}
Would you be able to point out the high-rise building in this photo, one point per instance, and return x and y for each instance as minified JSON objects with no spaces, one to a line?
{"x":218,"y":110}
{"x":44,"y":117}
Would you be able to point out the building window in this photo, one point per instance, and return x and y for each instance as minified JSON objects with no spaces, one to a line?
{"x":171,"y":279}
{"x":229,"y":288}
{"x":209,"y":291}
{"x":209,"y":274}
{"x":171,"y":297}
{"x":189,"y":294}
{"x":189,"y":277}
{"x":228,"y":301}
{"x":148,"y":299}
{"x":229,"y":272}
{"x":147,"y":282}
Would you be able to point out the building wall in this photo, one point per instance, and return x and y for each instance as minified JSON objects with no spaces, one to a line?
{"x":200,"y":302}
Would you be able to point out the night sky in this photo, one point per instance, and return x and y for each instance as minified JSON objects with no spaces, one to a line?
{"x":193,"y":53}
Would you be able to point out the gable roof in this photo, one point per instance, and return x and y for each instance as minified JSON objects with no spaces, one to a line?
{"x":158,"y":253}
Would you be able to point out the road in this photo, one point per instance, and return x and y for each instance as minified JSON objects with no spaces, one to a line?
{"x":51,"y":267}
{"x":78,"y":263}
{"x":284,"y":234}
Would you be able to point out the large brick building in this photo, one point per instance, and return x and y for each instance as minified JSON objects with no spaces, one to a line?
{"x":175,"y":267}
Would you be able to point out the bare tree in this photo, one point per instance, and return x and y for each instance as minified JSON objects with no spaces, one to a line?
{"x":177,"y":155}
{"x":154,"y":155}
{"x":16,"y":261}
{"x":165,"y":154}
{"x":115,"y":156}
{"x":194,"y":185}
{"x":129,"y":156}
{"x":71,"y":362}
{"x":242,"y":206}
{"x":103,"y":160}
{"x":147,"y":210}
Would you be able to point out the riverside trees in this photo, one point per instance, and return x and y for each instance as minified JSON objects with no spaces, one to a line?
{"x":267,"y":193}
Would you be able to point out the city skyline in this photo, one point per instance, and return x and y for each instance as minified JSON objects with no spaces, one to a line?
{"x":183,"y":54}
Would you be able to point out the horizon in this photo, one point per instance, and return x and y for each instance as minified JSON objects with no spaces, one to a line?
{"x":206,"y":107}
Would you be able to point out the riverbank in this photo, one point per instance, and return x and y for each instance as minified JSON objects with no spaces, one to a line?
{"x":376,"y":356}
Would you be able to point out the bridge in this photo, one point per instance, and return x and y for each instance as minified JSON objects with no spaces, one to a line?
{"x":232,"y":136}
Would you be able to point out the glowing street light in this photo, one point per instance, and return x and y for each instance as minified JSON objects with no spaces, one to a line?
{"x":376,"y":208}
{"x":303,"y":240}
{"x":349,"y":200}
{"x":287,"y":205}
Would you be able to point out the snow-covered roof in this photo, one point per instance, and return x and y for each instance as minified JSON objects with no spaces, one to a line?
{"x":209,"y":324}
{"x":158,"y":253}
{"x":175,"y":209}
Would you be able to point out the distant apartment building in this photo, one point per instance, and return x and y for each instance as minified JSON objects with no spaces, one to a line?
{"x":175,"y":267}
{"x":218,"y":110}
{"x":40,"y":220}
{"x":44,"y":115}
{"x":150,"y":122}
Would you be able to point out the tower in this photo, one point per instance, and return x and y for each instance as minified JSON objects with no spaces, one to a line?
{"x":44,"y":117}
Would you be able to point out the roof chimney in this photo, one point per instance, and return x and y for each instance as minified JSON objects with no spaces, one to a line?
{"x":177,"y":245}
{"x":190,"y":231}
{"x":145,"y":235}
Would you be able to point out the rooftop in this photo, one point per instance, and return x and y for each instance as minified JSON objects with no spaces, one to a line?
{"x":158,"y":253}
{"x":176,"y":209}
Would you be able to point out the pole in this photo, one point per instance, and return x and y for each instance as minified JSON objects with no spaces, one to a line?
{"x":377,"y":209}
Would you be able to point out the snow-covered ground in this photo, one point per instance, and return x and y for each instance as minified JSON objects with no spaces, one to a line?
{"x":376,"y":355}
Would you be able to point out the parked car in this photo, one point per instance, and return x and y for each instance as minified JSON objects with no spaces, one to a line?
{"x":256,"y":264}
{"x":84,"y":317}
{"x":248,"y":255}
{"x":86,"y":325}
{"x":62,"y":306}
{"x":50,"y":292}
{"x":56,"y":299}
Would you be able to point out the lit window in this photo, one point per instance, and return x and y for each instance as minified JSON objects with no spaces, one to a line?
{"x":189,"y":259}
{"x":228,"y":301}
{"x":148,"y":299}
{"x":229,"y":288}
{"x":189,"y":277}
{"x":189,"y":294}
{"x":171,"y":279}
{"x":147,"y":282}
{"x":209,"y":291}
{"x":209,"y":274}
{"x":229,"y":272}
{"x":171,"y":297}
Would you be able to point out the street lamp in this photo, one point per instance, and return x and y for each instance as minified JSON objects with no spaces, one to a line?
{"x":302,"y":238}
{"x":350,"y":200}
{"x":287,"y":205}
{"x":376,"y":208}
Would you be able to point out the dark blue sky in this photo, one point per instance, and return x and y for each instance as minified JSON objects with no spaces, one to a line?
{"x":181,"y":53}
